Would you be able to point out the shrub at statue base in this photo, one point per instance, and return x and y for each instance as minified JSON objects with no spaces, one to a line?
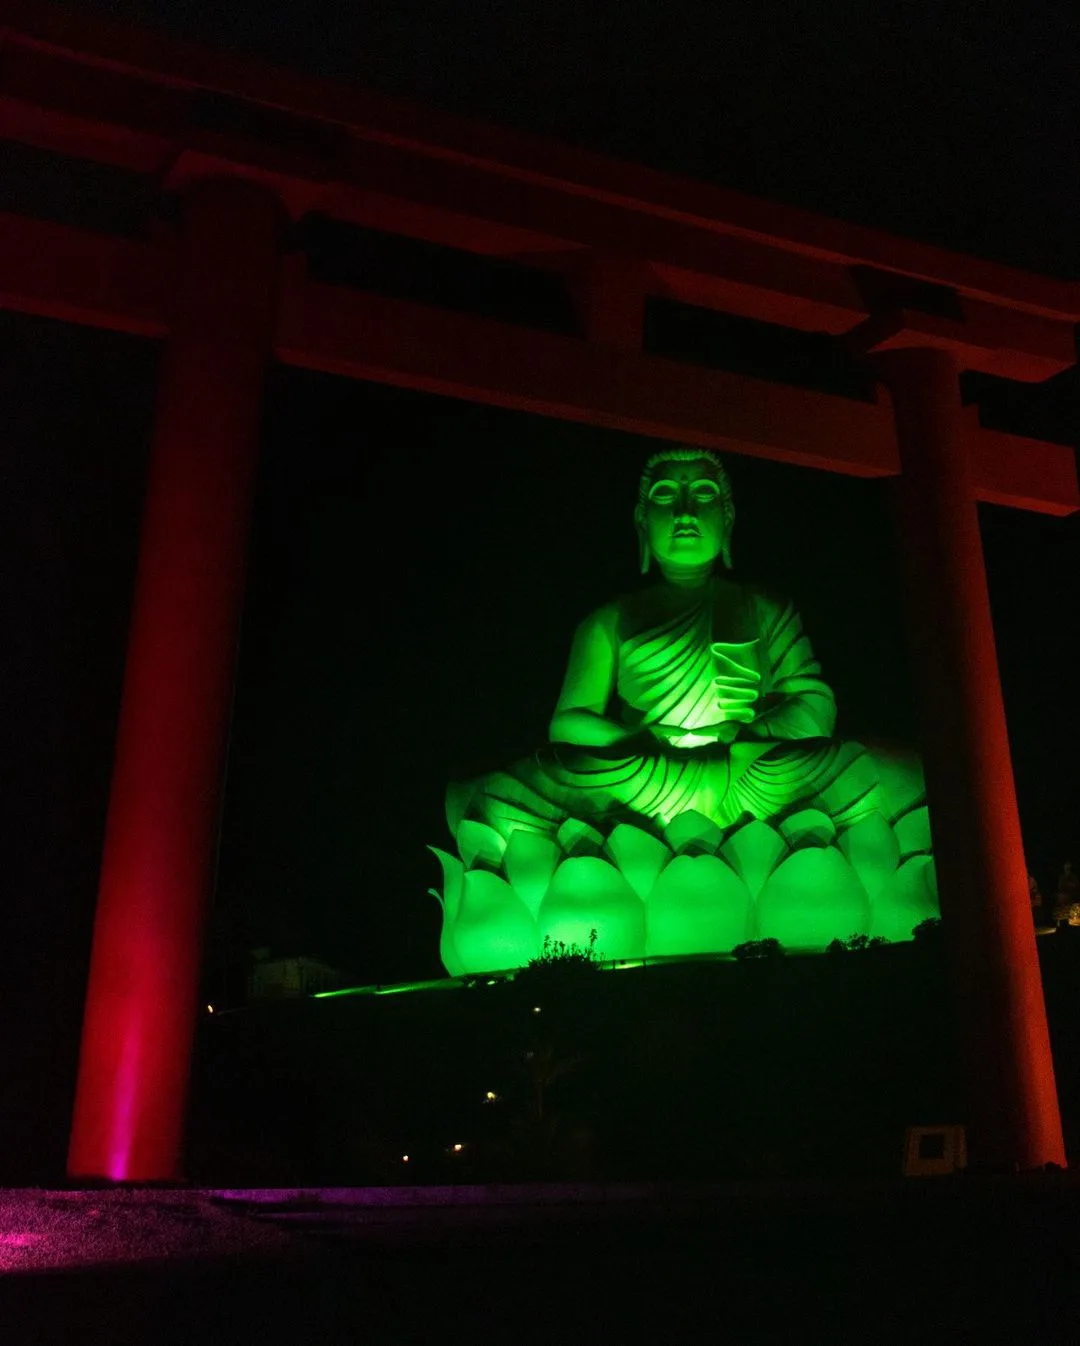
{"x":687,"y":888}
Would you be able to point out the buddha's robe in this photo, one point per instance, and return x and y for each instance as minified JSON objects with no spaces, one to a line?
{"x":683,"y":673}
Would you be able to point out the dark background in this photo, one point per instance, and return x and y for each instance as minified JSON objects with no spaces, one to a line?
{"x":418,"y":564}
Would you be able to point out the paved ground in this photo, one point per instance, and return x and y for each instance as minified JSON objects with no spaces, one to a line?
{"x":957,"y":1261}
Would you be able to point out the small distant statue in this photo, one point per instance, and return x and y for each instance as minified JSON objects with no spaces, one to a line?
{"x":693,"y":721}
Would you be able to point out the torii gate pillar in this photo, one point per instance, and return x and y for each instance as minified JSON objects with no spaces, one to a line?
{"x":163,"y":810}
{"x":1004,"y":1044}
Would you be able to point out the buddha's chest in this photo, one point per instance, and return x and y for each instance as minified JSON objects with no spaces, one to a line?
{"x":662,"y":616}
{"x":685,"y":657}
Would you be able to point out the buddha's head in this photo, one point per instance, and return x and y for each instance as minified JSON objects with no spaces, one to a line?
{"x":685,"y":513}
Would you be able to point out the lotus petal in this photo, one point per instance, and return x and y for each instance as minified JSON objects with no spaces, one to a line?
{"x":813,"y":898}
{"x":578,"y":838}
{"x":638,"y":856}
{"x":447,"y":949}
{"x":808,"y":827}
{"x":588,"y":894}
{"x":530,"y":862}
{"x":699,"y":905}
{"x":692,"y":831}
{"x":911,"y":897}
{"x":479,"y":843}
{"x":453,"y":882}
{"x":913,"y":831}
{"x":753,"y":852}
{"x":493,"y":930}
{"x":872,"y":852}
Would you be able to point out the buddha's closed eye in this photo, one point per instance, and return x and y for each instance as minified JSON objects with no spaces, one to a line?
{"x":702,"y":492}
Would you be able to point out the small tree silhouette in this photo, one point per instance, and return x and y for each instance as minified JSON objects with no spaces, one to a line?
{"x":857,"y":944}
{"x":758,"y":948}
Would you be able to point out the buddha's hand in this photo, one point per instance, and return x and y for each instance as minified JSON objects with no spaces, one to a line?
{"x":699,"y":736}
{"x":727,"y":732}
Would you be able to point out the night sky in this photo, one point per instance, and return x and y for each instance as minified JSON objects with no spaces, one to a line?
{"x":418,"y":564}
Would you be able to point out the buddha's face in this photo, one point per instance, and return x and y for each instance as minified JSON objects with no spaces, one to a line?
{"x":683,"y":516}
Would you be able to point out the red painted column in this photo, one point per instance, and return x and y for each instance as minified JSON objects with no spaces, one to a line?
{"x":1013,"y":1116}
{"x":164,"y":806}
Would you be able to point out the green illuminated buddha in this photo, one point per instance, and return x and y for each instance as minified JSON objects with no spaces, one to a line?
{"x":697,"y":693}
{"x":692,"y":795}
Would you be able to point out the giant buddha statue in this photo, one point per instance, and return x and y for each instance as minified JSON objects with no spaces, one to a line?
{"x":692,"y":795}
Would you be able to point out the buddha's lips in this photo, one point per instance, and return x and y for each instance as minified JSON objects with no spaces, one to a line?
{"x":686,"y":531}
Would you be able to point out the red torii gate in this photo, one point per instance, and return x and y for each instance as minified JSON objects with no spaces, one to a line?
{"x":246,"y":148}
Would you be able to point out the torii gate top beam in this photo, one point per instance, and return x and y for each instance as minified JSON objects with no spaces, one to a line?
{"x":130,"y":95}
{"x":173,"y":111}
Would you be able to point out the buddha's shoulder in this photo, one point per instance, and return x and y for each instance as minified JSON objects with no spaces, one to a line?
{"x":765,"y":601}
{"x":629,"y":609}
{"x":637,"y":609}
{"x":602,"y":619}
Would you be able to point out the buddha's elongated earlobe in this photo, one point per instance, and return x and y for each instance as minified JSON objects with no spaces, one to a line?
{"x":644,"y":553}
{"x":729,"y":525}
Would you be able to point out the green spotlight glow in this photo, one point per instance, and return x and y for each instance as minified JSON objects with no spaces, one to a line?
{"x":399,"y":988}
